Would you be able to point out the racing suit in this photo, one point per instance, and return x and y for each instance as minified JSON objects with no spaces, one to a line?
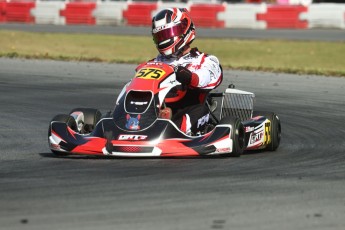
{"x":191,"y":113}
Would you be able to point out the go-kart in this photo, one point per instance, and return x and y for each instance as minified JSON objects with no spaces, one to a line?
{"x":135,"y":127}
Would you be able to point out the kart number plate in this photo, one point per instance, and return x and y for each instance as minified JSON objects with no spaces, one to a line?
{"x":150,"y":73}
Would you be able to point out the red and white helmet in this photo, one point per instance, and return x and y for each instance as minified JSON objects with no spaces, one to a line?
{"x":172,"y":30}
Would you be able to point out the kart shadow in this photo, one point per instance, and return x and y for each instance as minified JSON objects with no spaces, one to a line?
{"x":91,"y":157}
{"x":74,"y":157}
{"x":254,"y":152}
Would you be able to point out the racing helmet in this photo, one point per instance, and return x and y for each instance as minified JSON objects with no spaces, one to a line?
{"x":172,"y":30}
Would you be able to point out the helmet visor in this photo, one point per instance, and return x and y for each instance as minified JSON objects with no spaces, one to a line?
{"x":165,"y":34}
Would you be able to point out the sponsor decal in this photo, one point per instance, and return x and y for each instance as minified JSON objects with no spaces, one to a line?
{"x":133,"y":122}
{"x":54,"y":146}
{"x":249,"y":129}
{"x":159,"y":28}
{"x":127,"y":137}
{"x":223,"y":150}
{"x":255,"y":137}
{"x":154,"y":63}
{"x":214,"y":59}
{"x":187,"y":57}
{"x":256,"y":118}
{"x":267,"y":138}
{"x":203,"y":120}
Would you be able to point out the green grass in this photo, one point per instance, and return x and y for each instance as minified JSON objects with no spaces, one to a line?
{"x":305,"y":57}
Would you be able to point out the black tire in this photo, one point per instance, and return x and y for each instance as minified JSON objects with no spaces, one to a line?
{"x":275,"y":129}
{"x":91,"y":118}
{"x":69,"y":120}
{"x":237,"y":135}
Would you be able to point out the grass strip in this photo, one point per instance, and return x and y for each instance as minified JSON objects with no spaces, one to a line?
{"x":299,"y":57}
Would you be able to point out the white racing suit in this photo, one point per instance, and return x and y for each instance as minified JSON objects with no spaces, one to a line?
{"x":191,"y":113}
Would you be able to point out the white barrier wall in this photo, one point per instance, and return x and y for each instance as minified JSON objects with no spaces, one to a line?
{"x":164,"y":5}
{"x":212,"y":15}
{"x":109,"y":13}
{"x":48,"y":13}
{"x":243,"y":16}
{"x":325,"y":16}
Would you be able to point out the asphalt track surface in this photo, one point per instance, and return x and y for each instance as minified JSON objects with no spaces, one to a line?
{"x":300,"y":186}
{"x":334,"y":35}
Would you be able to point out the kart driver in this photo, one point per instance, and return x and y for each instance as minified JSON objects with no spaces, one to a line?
{"x":173,"y":32}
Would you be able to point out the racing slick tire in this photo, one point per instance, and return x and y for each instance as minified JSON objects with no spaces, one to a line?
{"x":275,"y":129}
{"x":70,"y":121}
{"x":237,"y":135}
{"x":91,"y":118}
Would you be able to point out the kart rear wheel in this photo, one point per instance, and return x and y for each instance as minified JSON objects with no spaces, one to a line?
{"x":275,"y":129}
{"x":69,"y":120}
{"x":237,"y":135}
{"x":91,"y":118}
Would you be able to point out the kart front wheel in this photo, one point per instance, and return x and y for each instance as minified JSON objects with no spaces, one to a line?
{"x":237,"y":135}
{"x":70,"y":121}
{"x":275,"y":129}
{"x":90,"y":118}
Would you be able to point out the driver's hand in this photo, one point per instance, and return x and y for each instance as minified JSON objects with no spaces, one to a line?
{"x":183,"y":75}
